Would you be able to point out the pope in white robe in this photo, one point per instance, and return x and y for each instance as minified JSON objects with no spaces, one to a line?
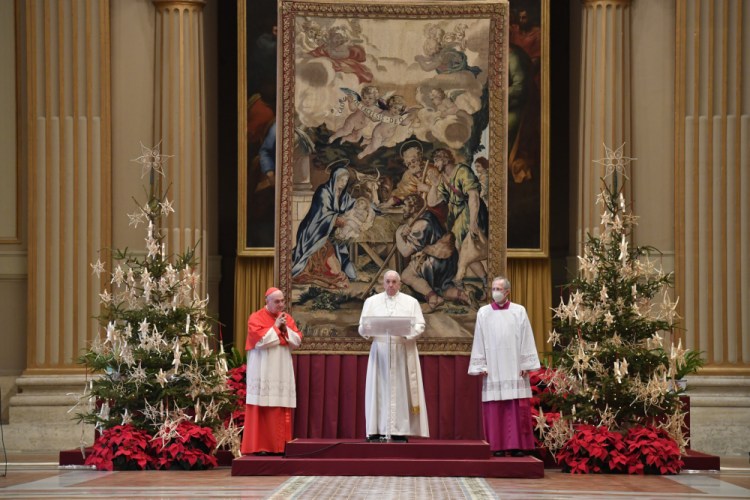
{"x":394,"y":393}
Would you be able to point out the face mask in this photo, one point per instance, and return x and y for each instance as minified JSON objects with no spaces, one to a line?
{"x":498,"y":296}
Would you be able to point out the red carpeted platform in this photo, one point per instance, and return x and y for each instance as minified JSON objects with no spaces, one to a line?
{"x":419,"y":457}
{"x":74,"y":457}
{"x":695,"y":460}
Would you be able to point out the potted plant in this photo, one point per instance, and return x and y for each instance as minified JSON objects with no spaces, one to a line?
{"x":691,"y":363}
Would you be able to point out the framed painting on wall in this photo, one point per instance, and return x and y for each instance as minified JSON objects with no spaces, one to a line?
{"x":392,"y":154}
{"x":528,"y":129}
{"x":256,"y":118}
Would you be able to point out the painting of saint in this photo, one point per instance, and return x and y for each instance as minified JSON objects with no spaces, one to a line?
{"x":524,"y":125}
{"x":262,"y":35}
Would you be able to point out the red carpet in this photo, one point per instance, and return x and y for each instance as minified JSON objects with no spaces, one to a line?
{"x":419,"y":457}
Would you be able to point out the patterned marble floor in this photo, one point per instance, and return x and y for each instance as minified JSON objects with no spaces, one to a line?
{"x":35,"y":476}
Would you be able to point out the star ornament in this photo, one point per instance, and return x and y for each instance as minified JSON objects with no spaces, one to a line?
{"x":554,"y":338}
{"x":136,"y":218}
{"x":541,"y":422}
{"x":614,"y":161}
{"x":166,"y":207}
{"x":669,"y":308}
{"x":151,"y":159}
{"x":97,"y":268}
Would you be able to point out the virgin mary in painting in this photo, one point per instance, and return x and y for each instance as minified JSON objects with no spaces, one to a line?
{"x":316,"y":257}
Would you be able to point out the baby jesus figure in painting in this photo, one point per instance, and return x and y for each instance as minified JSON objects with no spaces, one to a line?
{"x":356,"y":221}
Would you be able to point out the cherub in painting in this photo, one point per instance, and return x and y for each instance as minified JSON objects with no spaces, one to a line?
{"x":362,"y":109}
{"x":396,"y":114}
{"x":443,"y":104}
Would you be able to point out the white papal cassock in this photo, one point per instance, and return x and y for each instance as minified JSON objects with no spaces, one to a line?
{"x":394,"y":394}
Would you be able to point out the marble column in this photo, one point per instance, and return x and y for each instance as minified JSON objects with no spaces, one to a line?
{"x":65,"y":74}
{"x":180,"y":122}
{"x":604,"y":103}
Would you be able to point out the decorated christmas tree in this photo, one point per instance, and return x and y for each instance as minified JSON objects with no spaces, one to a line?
{"x":159,"y":398}
{"x":614,"y":360}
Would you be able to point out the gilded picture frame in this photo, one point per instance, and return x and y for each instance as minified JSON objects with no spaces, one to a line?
{"x":392,"y":154}
{"x":256,"y":113}
{"x":528,"y":130}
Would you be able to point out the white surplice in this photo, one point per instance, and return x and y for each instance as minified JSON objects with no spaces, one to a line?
{"x":270,"y":371}
{"x":503,"y":346}
{"x":394,"y":393}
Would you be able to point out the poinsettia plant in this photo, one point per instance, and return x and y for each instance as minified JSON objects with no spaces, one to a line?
{"x":593,"y":449}
{"x":642,"y":450}
{"x":122,"y":447}
{"x":652,"y":451}
{"x":190,"y":447}
{"x":237,"y":385}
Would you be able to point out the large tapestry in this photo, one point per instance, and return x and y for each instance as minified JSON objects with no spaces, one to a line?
{"x":392,"y":154}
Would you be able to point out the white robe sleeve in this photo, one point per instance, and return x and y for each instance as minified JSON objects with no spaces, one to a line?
{"x":528,"y":359}
{"x":270,"y":339}
{"x":293,"y":338}
{"x":365,"y":312}
{"x":418,"y":328}
{"x":478,"y":360}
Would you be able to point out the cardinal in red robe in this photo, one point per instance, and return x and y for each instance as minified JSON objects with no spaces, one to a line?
{"x":271,"y":392}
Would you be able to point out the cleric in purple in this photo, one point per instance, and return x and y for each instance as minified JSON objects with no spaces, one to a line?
{"x":504,"y":353}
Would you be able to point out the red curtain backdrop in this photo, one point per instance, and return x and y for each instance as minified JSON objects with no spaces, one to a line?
{"x":331,"y":397}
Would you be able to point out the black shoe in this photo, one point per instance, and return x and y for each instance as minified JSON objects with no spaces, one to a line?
{"x":399,"y":439}
{"x":261,"y":453}
{"x":517,"y":453}
{"x":374,"y":438}
{"x":499,"y":453}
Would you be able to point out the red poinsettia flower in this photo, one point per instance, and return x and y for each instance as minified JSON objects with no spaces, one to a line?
{"x":652,"y":451}
{"x":643,"y":450}
{"x":122,"y":447}
{"x":593,"y":449}
{"x":192,"y":448}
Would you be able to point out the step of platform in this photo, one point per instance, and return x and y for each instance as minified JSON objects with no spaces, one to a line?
{"x":522,"y":467}
{"x":325,"y":457}
{"x":415,"y":449}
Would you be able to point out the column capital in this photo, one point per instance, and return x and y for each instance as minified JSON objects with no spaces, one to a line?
{"x":604,"y":3}
{"x":191,"y":4}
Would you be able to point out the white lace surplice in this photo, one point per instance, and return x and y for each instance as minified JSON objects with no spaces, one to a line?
{"x":503,"y":346}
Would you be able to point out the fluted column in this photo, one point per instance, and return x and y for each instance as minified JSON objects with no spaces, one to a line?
{"x":67,"y":106}
{"x":604,"y":112}
{"x":180,"y":122}
{"x":712,"y":183}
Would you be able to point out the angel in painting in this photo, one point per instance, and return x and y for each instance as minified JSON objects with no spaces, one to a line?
{"x":443,"y":104}
{"x":362,"y":108}
{"x":443,"y":57}
{"x":395,"y":115}
{"x":345,"y":56}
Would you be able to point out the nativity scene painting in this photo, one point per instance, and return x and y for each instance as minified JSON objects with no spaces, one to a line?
{"x":389,"y":169}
